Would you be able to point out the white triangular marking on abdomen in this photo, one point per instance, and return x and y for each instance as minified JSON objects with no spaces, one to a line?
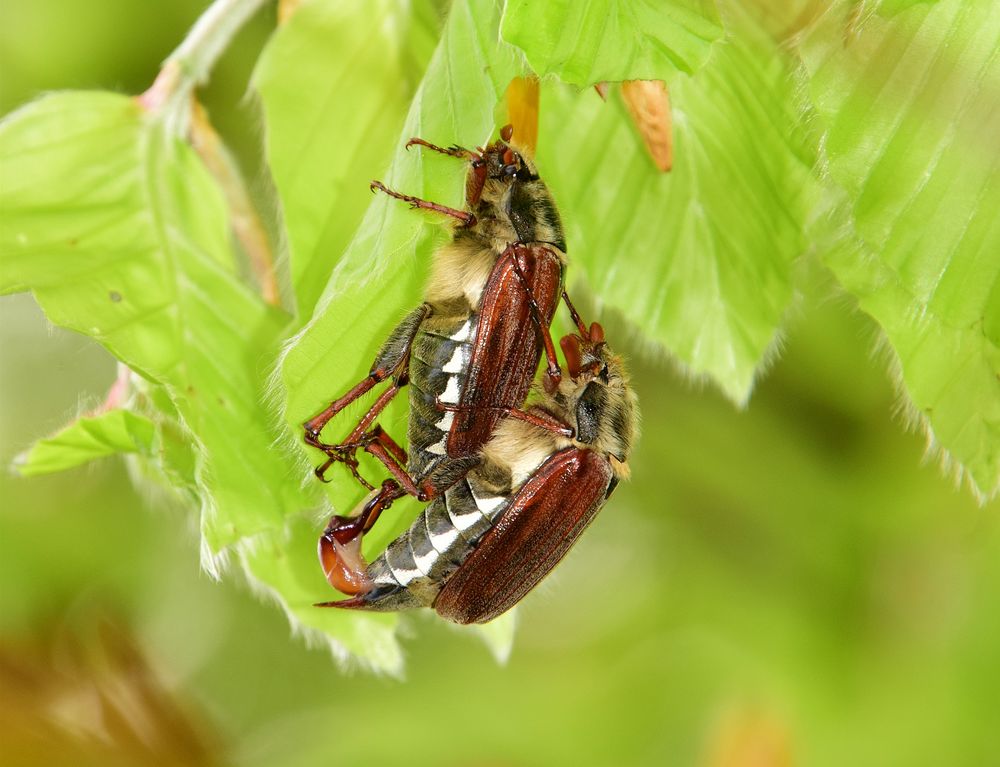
{"x":463,"y":333}
{"x":450,"y":393}
{"x":465,"y":521}
{"x":446,"y":421}
{"x":457,"y":362}
{"x":426,"y":561}
{"x":488,"y":504}
{"x":405,"y":577}
{"x":441,"y":541}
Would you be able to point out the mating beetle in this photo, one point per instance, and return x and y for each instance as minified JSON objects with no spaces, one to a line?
{"x":476,"y":550}
{"x":470,"y":351}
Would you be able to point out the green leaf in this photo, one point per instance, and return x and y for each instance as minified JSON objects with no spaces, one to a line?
{"x":909,"y":108}
{"x":174,"y":462}
{"x":591,"y":41}
{"x":282,"y":565}
{"x":86,"y":439}
{"x":498,"y":635}
{"x":380,"y":277}
{"x":335,"y":82}
{"x":122,"y":235}
{"x":889,"y":8}
{"x":700,"y":259}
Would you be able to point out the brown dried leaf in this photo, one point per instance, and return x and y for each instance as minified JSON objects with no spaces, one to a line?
{"x":522,"y":112}
{"x":649,"y":104}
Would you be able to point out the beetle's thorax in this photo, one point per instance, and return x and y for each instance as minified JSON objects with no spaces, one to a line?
{"x":462,"y":267}
{"x":460,"y":271}
{"x":512,"y":205}
{"x":521,"y":448}
{"x":518,"y":211}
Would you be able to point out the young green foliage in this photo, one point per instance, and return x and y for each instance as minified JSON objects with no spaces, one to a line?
{"x":700,"y":259}
{"x":335,"y":82}
{"x":121,"y":234}
{"x":590,"y":41}
{"x":868,"y":143}
{"x":909,"y":111}
{"x":88,"y":438}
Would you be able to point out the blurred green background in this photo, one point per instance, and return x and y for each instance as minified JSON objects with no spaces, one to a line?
{"x":792,"y":584}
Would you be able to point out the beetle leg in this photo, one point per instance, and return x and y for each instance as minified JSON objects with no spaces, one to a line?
{"x":392,"y":361}
{"x":383,"y":438}
{"x":345,"y":529}
{"x":393,"y":457}
{"x":315,"y":425}
{"x":452,"y":151}
{"x":537,"y":418}
{"x":379,"y":444}
{"x":553,"y":375}
{"x":546,"y":421}
{"x":345,"y":457}
{"x":358,"y":436}
{"x":344,"y":451}
{"x":576,"y":316}
{"x":467,"y":218}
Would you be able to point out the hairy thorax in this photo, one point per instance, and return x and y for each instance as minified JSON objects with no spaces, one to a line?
{"x":521,"y":448}
{"x":459,"y":274}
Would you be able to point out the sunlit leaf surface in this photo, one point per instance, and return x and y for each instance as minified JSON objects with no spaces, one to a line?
{"x":122,"y":235}
{"x":910,"y":109}
{"x":590,"y":41}
{"x":86,"y":439}
{"x":335,"y":82}
{"x":282,"y":566}
{"x":700,"y":260}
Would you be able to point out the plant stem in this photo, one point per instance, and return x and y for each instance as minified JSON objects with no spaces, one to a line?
{"x":244,"y":218}
{"x":191,"y":62}
{"x":209,"y":36}
{"x":171,"y":99}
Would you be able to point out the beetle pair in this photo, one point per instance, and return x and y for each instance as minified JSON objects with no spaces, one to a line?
{"x":510,"y":487}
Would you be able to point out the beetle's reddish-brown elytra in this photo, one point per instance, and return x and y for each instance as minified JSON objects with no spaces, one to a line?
{"x":476,"y":550}
{"x":468,"y":353}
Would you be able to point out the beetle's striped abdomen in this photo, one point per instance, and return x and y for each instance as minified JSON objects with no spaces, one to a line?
{"x":438,"y":367}
{"x":540,"y":523}
{"x":415,"y":566}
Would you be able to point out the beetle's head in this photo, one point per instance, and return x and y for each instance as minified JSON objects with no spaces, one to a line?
{"x":597,"y":395}
{"x":499,"y":162}
{"x":503,"y":184}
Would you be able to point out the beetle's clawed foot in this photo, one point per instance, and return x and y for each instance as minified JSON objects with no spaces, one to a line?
{"x":345,"y":454}
{"x":452,"y":151}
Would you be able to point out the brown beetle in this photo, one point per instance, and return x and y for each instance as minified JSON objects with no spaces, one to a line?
{"x":470,"y":351}
{"x":475,"y":551}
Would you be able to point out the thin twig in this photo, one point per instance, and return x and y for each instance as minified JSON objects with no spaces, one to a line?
{"x":191,"y":62}
{"x":171,"y":98}
{"x":243,"y":215}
